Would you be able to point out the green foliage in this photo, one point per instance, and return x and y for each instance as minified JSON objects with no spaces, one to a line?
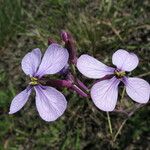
{"x":100,"y":27}
{"x":10,"y":15}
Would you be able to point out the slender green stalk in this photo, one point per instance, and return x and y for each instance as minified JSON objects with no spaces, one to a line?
{"x":144,"y":74}
{"x":73,"y":69}
{"x":109,"y":123}
{"x":119,"y":130}
{"x":123,"y":93}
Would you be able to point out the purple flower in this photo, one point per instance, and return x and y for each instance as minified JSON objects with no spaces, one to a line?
{"x":105,"y":93}
{"x":50,"y":103}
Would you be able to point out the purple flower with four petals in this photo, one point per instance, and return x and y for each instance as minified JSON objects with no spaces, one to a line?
{"x":50,"y":103}
{"x":105,"y":93}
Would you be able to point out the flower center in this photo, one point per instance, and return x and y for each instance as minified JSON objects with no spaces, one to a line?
{"x":34,"y":81}
{"x":119,"y":74}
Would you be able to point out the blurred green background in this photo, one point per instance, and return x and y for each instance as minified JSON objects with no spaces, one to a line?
{"x":99,"y":27}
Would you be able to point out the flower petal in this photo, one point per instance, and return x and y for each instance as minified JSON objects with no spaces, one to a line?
{"x":138,"y":89}
{"x":124,"y":60}
{"x":54,"y":59}
{"x":105,"y":93}
{"x":92,"y":68}
{"x":19,"y":101}
{"x":50,"y":103}
{"x":31,"y":61}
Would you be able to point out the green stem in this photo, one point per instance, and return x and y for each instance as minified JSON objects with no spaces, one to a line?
{"x":119,"y":130}
{"x":73,"y":69}
{"x":144,"y":74}
{"x":109,"y":123}
{"x":123,"y":93}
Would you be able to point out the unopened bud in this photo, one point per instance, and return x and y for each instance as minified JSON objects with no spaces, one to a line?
{"x":64,"y":36}
{"x":70,"y":46}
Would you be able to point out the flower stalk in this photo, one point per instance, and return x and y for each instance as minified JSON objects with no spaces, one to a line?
{"x":109,"y":123}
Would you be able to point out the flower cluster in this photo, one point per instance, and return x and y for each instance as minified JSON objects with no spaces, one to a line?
{"x":51,"y":103}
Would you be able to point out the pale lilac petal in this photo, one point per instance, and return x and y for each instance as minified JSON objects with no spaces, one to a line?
{"x":31,"y":61}
{"x":138,"y":89}
{"x":105,"y":93}
{"x":19,"y":101}
{"x":124,"y":60}
{"x":92,"y":68}
{"x":50,"y":103}
{"x":54,"y":59}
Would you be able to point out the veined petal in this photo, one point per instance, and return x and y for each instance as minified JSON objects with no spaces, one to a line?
{"x":50,"y":103}
{"x":138,"y":89}
{"x":31,"y":61}
{"x":19,"y":101}
{"x":92,"y":68}
{"x":105,"y":93}
{"x":124,"y":60}
{"x":54,"y":59}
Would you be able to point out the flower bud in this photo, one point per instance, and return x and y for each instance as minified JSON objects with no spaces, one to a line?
{"x":64,"y":36}
{"x":70,"y":46}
